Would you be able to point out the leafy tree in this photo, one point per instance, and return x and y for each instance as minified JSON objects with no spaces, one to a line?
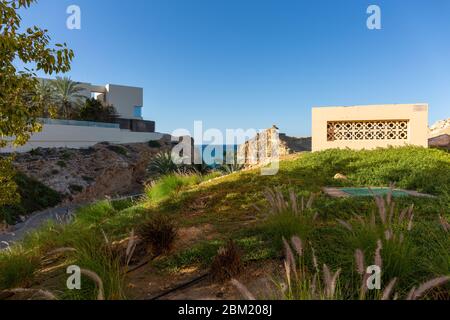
{"x":8,"y":187}
{"x":94,"y":110}
{"x":19,"y":106}
{"x":69,"y":97}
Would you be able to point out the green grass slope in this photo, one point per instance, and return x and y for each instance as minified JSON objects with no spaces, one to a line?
{"x":236,"y":207}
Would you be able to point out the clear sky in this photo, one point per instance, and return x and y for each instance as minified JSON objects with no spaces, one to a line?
{"x":254,"y":63}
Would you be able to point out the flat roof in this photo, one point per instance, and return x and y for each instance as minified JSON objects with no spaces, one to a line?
{"x":374,"y":105}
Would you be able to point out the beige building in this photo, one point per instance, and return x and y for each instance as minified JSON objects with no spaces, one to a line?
{"x":369,"y":127}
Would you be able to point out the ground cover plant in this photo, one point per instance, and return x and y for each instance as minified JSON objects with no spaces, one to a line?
{"x":408,"y":236}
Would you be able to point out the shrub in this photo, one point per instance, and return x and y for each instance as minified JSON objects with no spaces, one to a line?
{"x":88,"y":179}
{"x":75,"y":188}
{"x":122,"y":204}
{"x":288,"y":218}
{"x":36,"y":152}
{"x":16,"y":269}
{"x":120,"y":150}
{"x":300,"y":283}
{"x":62,"y":164}
{"x":34,"y":196}
{"x":232,"y":167}
{"x":170,"y":185}
{"x":227,"y":263}
{"x":94,"y":110}
{"x":95,"y":213}
{"x":162,"y":164}
{"x":159,"y":233}
{"x":66,"y":155}
{"x":389,"y":232}
{"x":154,"y":144}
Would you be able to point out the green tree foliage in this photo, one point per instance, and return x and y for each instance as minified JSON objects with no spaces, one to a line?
{"x":19,"y":105}
{"x":8,"y":187}
{"x":94,"y":110}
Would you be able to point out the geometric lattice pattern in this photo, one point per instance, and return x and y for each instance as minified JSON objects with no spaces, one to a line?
{"x":368,"y":130}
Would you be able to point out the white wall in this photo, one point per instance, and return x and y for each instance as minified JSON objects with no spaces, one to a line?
{"x":77,"y":137}
{"x":124,"y":99}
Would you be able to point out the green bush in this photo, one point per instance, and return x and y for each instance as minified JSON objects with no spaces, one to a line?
{"x":154,"y":144}
{"x":170,"y":185}
{"x":94,"y":110}
{"x":16,"y":269}
{"x":162,"y":164}
{"x":120,"y":150}
{"x":287,"y":225}
{"x":75,"y":188}
{"x":61,"y":164}
{"x":34,"y":196}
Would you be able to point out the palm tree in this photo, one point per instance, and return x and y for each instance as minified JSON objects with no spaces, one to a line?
{"x":68,"y":96}
{"x":46,"y":96}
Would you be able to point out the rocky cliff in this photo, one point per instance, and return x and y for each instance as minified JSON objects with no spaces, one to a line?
{"x":440,"y":128}
{"x":90,"y":174}
{"x":439,"y":134}
{"x":259,"y":149}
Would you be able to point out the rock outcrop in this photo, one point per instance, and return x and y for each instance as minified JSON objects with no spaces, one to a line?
{"x":260,"y":149}
{"x":90,"y":174}
{"x":439,"y":135}
{"x":440,"y":128}
{"x":442,"y":141}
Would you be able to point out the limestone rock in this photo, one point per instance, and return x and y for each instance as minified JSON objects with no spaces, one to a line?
{"x":340,"y":176}
{"x":439,"y":128}
{"x":442,"y":141}
{"x":260,"y":149}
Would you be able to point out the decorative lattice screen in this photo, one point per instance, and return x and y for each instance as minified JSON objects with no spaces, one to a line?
{"x":368,"y":130}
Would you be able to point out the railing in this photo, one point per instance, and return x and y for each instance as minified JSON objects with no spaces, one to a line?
{"x":79,"y":123}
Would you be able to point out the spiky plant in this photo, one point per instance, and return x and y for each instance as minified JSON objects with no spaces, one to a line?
{"x":287,"y":218}
{"x":162,"y":164}
{"x":159,"y":233}
{"x":304,"y":282}
{"x":227,"y":263}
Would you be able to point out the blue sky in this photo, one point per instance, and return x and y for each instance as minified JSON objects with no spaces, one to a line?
{"x":254,"y":63}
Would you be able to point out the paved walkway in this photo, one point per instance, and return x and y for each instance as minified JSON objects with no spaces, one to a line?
{"x":38,"y":219}
{"x":61,"y":215}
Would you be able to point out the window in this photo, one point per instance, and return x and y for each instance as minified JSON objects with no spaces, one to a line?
{"x":367,"y":130}
{"x":137,"y":112}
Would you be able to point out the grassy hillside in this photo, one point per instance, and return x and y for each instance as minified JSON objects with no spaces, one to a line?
{"x":247,"y":208}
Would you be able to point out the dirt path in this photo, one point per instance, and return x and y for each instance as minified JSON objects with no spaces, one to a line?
{"x":38,"y":219}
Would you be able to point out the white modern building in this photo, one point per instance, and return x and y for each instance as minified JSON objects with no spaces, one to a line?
{"x":128,"y":101}
{"x":129,"y":128}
